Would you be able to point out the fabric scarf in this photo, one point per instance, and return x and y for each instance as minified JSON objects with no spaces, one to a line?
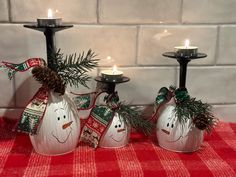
{"x":100,"y":116}
{"x":34,"y":111}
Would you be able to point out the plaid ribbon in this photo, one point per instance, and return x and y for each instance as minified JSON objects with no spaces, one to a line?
{"x":85,"y":101}
{"x":99,"y":119}
{"x":24,"y":66}
{"x":34,"y":111}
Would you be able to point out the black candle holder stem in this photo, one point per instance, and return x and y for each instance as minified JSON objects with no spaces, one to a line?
{"x":49,"y":32}
{"x":111,"y":85}
{"x":183,"y":63}
{"x":183,"y":73}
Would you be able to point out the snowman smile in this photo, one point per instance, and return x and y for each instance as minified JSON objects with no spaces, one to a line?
{"x":172,"y":141}
{"x":117,"y":140}
{"x":61,"y":141}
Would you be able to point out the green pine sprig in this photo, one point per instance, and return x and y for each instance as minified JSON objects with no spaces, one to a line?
{"x":189,"y":108}
{"x":73,"y":68}
{"x":132,"y":116}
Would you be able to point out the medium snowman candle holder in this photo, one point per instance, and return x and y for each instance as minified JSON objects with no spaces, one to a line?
{"x":181,"y":119}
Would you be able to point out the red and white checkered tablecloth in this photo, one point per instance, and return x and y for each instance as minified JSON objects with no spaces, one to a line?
{"x":142,"y":157}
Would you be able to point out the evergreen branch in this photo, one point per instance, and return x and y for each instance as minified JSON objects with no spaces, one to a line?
{"x":74,"y":79}
{"x":189,"y":108}
{"x":83,"y":62}
{"x":132,"y":116}
{"x":73,"y":68}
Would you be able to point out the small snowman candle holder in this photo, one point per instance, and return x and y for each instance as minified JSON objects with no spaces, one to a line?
{"x":172,"y":134}
{"x":109,"y":123}
{"x":117,"y":133}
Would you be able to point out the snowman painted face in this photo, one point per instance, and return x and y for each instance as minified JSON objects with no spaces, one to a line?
{"x":176,"y":136}
{"x":117,"y":134}
{"x":62,"y":123}
{"x":119,"y":131}
{"x":59,"y":129}
{"x":169,"y":126}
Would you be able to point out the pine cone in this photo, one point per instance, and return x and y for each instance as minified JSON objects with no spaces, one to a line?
{"x":49,"y":78}
{"x":202,"y":121}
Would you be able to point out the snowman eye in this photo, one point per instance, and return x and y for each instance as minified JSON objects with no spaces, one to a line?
{"x":116,"y":126}
{"x":168,"y":125}
{"x":64,"y":116}
{"x":119,"y":125}
{"x":172,"y":125}
{"x":58,"y":118}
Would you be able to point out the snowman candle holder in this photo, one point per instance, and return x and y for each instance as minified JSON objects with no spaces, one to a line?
{"x":172,"y":134}
{"x":109,"y":123}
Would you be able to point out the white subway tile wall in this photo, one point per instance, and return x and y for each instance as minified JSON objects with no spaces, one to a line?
{"x":133,"y":35}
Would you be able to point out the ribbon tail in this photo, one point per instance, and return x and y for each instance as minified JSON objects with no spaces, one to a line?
{"x":10,"y":71}
{"x":21,"y":67}
{"x":34,"y":112}
{"x":163,"y":97}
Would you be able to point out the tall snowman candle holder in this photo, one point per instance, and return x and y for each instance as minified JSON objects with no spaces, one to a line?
{"x":109,"y":124}
{"x":51,"y":118}
{"x":181,"y":119}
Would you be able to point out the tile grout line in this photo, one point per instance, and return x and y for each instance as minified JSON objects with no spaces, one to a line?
{"x":98,"y":11}
{"x":9,"y":11}
{"x":128,"y":24}
{"x":181,"y":12}
{"x":137,"y":46}
{"x":217,"y":46}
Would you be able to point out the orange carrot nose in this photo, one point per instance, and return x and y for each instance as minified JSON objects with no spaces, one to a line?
{"x":120,"y":130}
{"x":165,"y":131}
{"x":67,"y":125}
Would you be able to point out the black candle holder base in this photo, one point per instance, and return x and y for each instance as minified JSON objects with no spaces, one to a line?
{"x":111,"y":84}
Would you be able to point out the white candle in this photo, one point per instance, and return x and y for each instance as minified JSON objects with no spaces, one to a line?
{"x":186,"y":50}
{"x":50,"y":21}
{"x":112,"y":75}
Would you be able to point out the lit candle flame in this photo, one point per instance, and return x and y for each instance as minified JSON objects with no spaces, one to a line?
{"x":49,"y":13}
{"x":114,"y":69}
{"x":186,"y":45}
